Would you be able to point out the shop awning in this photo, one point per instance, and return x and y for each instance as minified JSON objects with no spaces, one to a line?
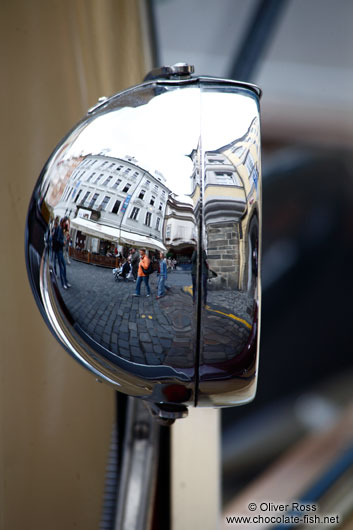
{"x":118,"y":235}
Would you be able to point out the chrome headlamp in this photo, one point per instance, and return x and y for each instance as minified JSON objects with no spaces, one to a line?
{"x":171,"y":166}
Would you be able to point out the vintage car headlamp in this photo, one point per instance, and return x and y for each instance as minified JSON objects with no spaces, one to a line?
{"x":171,"y":166}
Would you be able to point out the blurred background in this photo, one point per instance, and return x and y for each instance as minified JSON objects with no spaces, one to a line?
{"x":295,"y":440}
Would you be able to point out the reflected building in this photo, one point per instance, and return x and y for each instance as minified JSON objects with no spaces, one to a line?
{"x":224,"y":206}
{"x":230,"y":195}
{"x":113,"y":202}
{"x":180,"y":235}
{"x":55,"y":190}
{"x":244,"y":154}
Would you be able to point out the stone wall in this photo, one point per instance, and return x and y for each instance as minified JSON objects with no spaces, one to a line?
{"x":223,"y":254}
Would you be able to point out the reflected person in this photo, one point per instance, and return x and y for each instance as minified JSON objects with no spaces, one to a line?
{"x":204,"y":268}
{"x":125,"y":269}
{"x":134,"y":255}
{"x":54,"y":255}
{"x":141,"y":274}
{"x":162,"y":275}
{"x":66,"y":230}
{"x":58,"y":247}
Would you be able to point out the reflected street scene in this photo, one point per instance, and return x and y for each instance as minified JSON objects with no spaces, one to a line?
{"x":111,"y":209}
{"x":152,"y":217}
{"x":232,"y":236}
{"x":141,"y":329}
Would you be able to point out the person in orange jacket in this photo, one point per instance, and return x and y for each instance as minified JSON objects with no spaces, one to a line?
{"x":141,"y":276}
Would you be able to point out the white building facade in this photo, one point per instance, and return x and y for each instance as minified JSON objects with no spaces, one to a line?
{"x":120,"y":199}
{"x":180,"y":231}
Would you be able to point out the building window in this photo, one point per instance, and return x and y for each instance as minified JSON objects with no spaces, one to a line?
{"x":249,"y":163}
{"x":223,"y":174}
{"x":104,"y":163}
{"x":152,"y":200}
{"x":238,"y":151}
{"x":158,"y":222}
{"x":85,"y":197}
{"x":90,"y":177}
{"x":112,"y":165}
{"x":215,"y":161}
{"x":119,"y":168}
{"x":116,"y":207}
{"x":106,"y":182}
{"x":168,"y":232}
{"x":136,"y":174}
{"x":255,"y":177}
{"x":163,"y":194}
{"x":134,"y":213}
{"x":224,"y":177}
{"x":116,"y":184}
{"x":127,"y":187}
{"x":142,"y":194}
{"x":66,"y":193}
{"x":147,"y":183}
{"x":155,"y":188}
{"x":98,"y":178}
{"x":93,"y":200}
{"x":78,"y":195}
{"x":105,"y":203}
{"x":148,"y":219}
{"x":160,"y":206}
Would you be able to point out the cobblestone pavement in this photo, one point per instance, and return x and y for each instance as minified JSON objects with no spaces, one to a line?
{"x":150,"y":331}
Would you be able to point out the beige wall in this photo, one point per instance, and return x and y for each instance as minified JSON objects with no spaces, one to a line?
{"x":57,"y":58}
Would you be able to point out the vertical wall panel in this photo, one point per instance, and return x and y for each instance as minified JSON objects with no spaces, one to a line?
{"x":57,"y":57}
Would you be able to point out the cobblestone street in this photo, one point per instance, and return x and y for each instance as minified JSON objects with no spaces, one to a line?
{"x":150,"y":331}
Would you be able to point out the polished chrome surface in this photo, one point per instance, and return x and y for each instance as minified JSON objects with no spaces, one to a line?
{"x":182,"y":70}
{"x":171,"y":171}
{"x":137,"y":484}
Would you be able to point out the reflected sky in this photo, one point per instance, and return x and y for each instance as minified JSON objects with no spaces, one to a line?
{"x":145,"y":128}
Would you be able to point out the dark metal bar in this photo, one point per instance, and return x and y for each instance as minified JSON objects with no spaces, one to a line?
{"x":256,"y":39}
{"x":138,"y":471}
{"x":152,"y":24}
{"x":162,"y":504}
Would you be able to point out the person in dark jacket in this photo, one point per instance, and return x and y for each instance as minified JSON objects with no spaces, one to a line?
{"x":162,"y":275}
{"x":58,"y":242}
{"x":125,"y":269}
{"x":135,"y":259}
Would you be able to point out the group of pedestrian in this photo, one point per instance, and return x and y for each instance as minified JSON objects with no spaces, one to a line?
{"x":171,"y":264}
{"x":124,"y":272}
{"x":145,"y":269}
{"x":60,"y":241}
